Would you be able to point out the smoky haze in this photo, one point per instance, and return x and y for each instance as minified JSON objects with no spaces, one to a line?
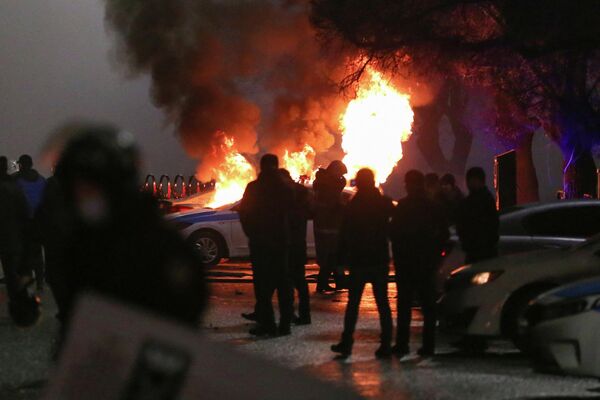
{"x":244,"y":67}
{"x":56,"y":65}
{"x":232,"y":69}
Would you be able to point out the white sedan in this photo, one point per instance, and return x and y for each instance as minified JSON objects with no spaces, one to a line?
{"x":564,"y":328}
{"x":489,"y":299}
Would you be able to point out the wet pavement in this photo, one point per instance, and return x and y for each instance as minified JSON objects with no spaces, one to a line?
{"x":501,"y":373}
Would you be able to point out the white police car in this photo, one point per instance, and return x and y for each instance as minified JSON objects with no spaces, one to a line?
{"x":490,"y":298}
{"x":564,"y":328}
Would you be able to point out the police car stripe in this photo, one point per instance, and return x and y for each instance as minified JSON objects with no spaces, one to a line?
{"x":207,"y":217}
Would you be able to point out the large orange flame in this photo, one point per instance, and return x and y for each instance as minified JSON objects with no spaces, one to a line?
{"x":300,"y":163}
{"x":232,"y":175}
{"x":374,"y":126}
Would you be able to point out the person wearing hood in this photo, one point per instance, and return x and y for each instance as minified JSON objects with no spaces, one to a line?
{"x":33,"y":185}
{"x":365,"y":236}
{"x":477,"y":221}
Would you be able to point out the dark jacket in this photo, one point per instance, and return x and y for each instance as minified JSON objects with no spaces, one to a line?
{"x":137,"y":259}
{"x":13,"y":216}
{"x":32,"y":184}
{"x":329,"y":207}
{"x":418,"y":231}
{"x":365,"y":229}
{"x":477,"y":222}
{"x":265,"y":210}
{"x":451,"y":202}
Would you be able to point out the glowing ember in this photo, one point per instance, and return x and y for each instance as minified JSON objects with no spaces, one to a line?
{"x":231,"y":176}
{"x":374,"y":126}
{"x":299,"y":163}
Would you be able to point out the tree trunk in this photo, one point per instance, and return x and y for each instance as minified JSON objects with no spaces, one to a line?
{"x":580,"y":177}
{"x":450,"y":101}
{"x":527,"y":183}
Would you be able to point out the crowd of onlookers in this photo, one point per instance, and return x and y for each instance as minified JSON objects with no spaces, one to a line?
{"x":355,"y":232}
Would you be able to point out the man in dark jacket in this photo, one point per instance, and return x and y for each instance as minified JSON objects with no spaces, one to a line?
{"x":32,"y":184}
{"x":365,"y":238}
{"x":418,"y":231}
{"x":477,"y":219}
{"x":119,"y":246}
{"x":329,"y":210}
{"x":265,"y":218}
{"x":299,"y":214}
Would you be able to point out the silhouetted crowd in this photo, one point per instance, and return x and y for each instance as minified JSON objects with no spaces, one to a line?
{"x":355,"y":231}
{"x":88,"y":228}
{"x":94,"y":231}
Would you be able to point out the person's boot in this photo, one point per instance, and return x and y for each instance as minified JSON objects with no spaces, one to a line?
{"x":249,"y":316}
{"x":400,"y":350}
{"x":326,"y":289}
{"x":303,"y":320}
{"x":343,"y":348}
{"x":260,"y":330}
{"x":384,"y":351}
{"x":284,"y":330}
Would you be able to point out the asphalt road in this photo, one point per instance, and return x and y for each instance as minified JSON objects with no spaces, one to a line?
{"x":501,"y":373}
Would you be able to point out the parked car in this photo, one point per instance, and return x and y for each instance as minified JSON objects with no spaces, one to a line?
{"x":218,"y":233}
{"x":489,"y":299}
{"x":564,"y":328}
{"x":536,"y":226}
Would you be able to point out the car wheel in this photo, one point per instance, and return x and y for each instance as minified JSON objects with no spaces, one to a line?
{"x":210,"y":246}
{"x":516,"y":326}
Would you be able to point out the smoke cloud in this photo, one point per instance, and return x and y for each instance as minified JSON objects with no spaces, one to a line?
{"x":252,"y":70}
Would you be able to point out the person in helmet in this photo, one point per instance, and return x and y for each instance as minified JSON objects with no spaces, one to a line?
{"x":328,"y":214}
{"x":118,"y":245}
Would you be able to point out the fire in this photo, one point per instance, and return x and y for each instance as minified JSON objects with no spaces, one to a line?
{"x":300,"y":163}
{"x":232,"y":175}
{"x":374,"y":125}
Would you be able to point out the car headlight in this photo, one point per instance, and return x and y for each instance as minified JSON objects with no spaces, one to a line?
{"x":483,"y":278}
